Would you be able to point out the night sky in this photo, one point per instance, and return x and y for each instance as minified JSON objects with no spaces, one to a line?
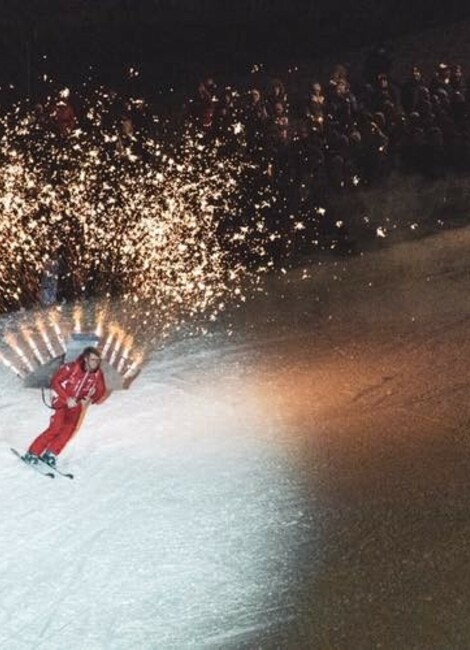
{"x":168,"y":36}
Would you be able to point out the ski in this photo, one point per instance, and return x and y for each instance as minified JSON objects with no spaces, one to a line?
{"x":37,"y":467}
{"x":56,"y":469}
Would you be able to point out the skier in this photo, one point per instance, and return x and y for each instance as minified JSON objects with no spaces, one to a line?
{"x":75,"y":385}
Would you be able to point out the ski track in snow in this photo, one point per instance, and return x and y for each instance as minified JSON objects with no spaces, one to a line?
{"x":203,"y":495}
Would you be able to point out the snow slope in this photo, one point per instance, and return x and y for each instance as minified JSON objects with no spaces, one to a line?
{"x":301,"y":484}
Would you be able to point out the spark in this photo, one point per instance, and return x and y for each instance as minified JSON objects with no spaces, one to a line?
{"x":128,"y":215}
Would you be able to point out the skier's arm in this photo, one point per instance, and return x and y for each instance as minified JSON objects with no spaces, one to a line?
{"x":62,"y":374}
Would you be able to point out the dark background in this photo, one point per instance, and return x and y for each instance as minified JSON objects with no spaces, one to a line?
{"x":175,"y":40}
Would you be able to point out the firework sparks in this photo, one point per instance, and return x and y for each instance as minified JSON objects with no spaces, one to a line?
{"x":134,"y":367}
{"x":100,"y":324}
{"x":109,"y":340}
{"x":128,"y":343}
{"x":57,"y":331}
{"x":12,"y":342}
{"x":33,"y":346}
{"x":8,"y":364}
{"x":30,"y":347}
{"x":132,"y":217}
{"x":148,"y":225}
{"x":77,"y":318}
{"x":117,"y":346}
{"x":41,"y":328}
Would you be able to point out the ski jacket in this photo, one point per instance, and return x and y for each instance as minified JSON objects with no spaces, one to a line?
{"x":73,"y":380}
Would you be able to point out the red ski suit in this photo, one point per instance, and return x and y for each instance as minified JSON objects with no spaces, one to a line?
{"x":71,"y":380}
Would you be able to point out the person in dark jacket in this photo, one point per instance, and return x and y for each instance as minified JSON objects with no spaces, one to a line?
{"x":413,"y":90}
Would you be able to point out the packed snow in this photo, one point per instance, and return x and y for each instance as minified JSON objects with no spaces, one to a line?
{"x":302,"y":483}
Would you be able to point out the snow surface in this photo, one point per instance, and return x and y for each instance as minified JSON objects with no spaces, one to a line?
{"x":300,"y":484}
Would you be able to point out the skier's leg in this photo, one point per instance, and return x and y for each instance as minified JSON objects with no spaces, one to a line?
{"x":40,"y":444}
{"x":70,"y":425}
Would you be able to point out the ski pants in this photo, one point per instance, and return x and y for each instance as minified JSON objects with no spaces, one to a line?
{"x":64,"y":422}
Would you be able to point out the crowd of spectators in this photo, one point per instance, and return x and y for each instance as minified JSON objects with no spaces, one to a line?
{"x":310,"y":142}
{"x":344,"y":134}
{"x":329,"y":136}
{"x":306,"y":145}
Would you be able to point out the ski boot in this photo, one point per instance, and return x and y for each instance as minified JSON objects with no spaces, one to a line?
{"x":30,"y":458}
{"x":49,"y":458}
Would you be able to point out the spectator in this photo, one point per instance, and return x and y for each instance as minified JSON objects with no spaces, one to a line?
{"x":126,"y":129}
{"x":306,"y":163}
{"x":456,"y":80}
{"x":206,"y":102}
{"x":338,"y":75}
{"x":255,"y":117}
{"x":63,"y":114}
{"x":341,"y":104}
{"x":413,"y":90}
{"x":374,"y":147}
{"x":384,"y":92}
{"x":226,"y":110}
{"x":278,"y":125}
{"x":315,"y":108}
{"x":441,"y":79}
{"x":277,"y":136}
{"x":458,"y":93}
{"x":276,"y":95}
